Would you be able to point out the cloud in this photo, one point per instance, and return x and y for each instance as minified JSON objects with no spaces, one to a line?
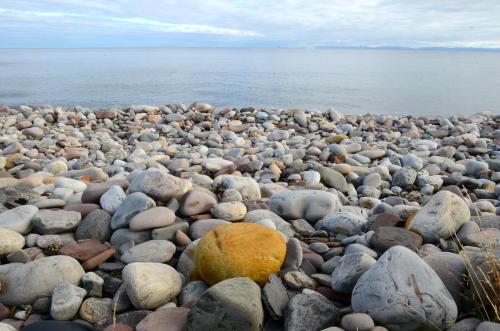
{"x":126,"y":21}
{"x":309,"y":23}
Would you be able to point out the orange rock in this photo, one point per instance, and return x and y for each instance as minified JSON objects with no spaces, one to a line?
{"x":239,"y":250}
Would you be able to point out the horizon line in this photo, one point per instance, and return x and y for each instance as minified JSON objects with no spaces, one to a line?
{"x":403,"y":48}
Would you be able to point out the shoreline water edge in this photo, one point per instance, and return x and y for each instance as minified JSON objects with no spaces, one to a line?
{"x":196,"y":218}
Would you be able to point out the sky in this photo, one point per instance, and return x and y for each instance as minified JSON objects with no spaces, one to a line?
{"x":250,"y":23}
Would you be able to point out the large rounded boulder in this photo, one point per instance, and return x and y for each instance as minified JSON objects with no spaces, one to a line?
{"x":403,"y":293}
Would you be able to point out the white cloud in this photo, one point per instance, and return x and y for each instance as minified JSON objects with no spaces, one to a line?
{"x":448,"y":23}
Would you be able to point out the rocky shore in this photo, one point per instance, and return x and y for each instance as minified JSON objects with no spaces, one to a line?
{"x":196,"y":218}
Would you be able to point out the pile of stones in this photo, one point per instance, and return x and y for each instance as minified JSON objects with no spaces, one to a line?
{"x":195,"y":218}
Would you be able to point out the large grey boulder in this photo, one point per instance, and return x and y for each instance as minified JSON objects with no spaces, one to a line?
{"x":233,"y":304}
{"x":37,"y":278}
{"x":441,"y":217}
{"x":311,"y":205}
{"x":403,"y":293}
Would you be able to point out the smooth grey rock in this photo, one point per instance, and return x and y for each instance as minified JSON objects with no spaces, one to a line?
{"x":332,"y":178}
{"x":168,"y":232}
{"x":37,"y":278}
{"x":131,"y":206}
{"x":310,"y":311}
{"x":402,"y":292}
{"x":311,"y":205}
{"x":18,"y":219}
{"x":159,"y":251}
{"x":345,"y":223}
{"x":56,"y":221}
{"x":159,"y":184}
{"x":66,"y":300}
{"x":150,"y":285}
{"x":351,"y":268}
{"x":441,"y":217}
{"x":233,"y":304}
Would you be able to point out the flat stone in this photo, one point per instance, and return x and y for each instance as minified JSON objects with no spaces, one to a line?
{"x":18,"y":219}
{"x":159,"y":251}
{"x":275,"y":297}
{"x":83,"y":250}
{"x":153,"y":218}
{"x":56,"y":221}
{"x":229,"y":211}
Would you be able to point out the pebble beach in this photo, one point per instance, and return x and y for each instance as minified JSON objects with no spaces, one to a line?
{"x":199,"y":218}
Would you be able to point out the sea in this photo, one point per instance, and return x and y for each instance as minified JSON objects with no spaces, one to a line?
{"x":354,"y":81}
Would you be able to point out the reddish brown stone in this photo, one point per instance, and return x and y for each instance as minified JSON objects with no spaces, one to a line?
{"x":166,"y":319}
{"x":384,"y":219}
{"x":333,"y":295}
{"x":119,"y":327}
{"x":4,"y":312}
{"x":98,"y":259}
{"x":387,"y":236}
{"x":32,"y":319}
{"x":83,"y":250}
{"x":83,"y":208}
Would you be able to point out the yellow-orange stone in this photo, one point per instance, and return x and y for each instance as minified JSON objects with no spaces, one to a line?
{"x":239,"y":250}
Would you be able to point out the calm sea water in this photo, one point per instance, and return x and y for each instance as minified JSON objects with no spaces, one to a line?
{"x":353,"y":81}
